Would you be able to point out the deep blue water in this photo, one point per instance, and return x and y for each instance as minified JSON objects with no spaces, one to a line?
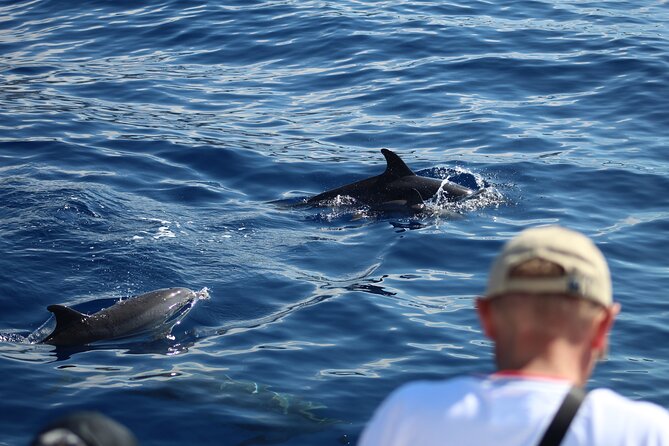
{"x":144,"y":146}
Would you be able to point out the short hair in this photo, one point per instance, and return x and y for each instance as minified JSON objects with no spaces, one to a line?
{"x":537,"y":268}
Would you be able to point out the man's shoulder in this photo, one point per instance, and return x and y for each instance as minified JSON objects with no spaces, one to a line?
{"x":607,"y":400}
{"x":610,"y":418}
{"x":427,"y":395}
{"x":456,"y":385}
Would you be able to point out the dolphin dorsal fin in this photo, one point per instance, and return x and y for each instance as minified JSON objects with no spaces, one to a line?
{"x":396,"y":167}
{"x":65,"y":316}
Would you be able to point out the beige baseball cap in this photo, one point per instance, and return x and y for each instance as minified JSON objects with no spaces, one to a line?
{"x":586,"y":273}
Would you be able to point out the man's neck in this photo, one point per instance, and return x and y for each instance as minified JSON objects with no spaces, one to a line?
{"x":558,"y":360}
{"x":528,"y":375}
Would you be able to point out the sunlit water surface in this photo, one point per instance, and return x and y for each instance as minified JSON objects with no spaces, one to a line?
{"x":145,"y":146}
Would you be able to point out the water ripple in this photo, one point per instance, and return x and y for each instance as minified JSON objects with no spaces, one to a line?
{"x":146,"y":145}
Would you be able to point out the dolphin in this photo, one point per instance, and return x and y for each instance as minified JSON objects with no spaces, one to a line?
{"x":396,"y":188}
{"x":140,"y":314}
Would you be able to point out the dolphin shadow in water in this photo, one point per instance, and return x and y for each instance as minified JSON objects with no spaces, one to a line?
{"x":156,"y":311}
{"x":396,"y":189}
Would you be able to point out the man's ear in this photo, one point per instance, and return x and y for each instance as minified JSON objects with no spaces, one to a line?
{"x":485,"y":317}
{"x":600,"y":341}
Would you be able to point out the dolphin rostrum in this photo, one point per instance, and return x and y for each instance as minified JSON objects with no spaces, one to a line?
{"x":398,"y":187}
{"x":140,"y":314}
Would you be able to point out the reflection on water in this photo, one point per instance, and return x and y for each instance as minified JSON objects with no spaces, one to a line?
{"x":173,"y":144}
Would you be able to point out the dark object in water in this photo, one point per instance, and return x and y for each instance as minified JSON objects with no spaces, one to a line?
{"x":85,"y":429}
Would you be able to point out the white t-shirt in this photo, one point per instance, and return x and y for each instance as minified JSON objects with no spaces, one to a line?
{"x":509,"y":411}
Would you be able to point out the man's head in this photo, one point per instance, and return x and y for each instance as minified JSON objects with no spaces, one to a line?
{"x":548,"y":305}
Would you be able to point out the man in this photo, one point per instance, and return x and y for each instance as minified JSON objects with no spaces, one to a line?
{"x":548,"y":309}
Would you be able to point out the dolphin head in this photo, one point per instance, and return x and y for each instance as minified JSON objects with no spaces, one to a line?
{"x":177,"y":303}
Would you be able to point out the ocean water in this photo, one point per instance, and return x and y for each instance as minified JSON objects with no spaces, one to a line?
{"x":146,"y":145}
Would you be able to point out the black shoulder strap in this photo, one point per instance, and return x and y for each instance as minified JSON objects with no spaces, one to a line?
{"x":565,"y":414}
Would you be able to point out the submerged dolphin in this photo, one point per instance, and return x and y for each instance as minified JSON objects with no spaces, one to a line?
{"x":398,"y":187}
{"x":129,"y":317}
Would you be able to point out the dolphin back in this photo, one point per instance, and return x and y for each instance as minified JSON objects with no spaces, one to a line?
{"x":368,"y":189}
